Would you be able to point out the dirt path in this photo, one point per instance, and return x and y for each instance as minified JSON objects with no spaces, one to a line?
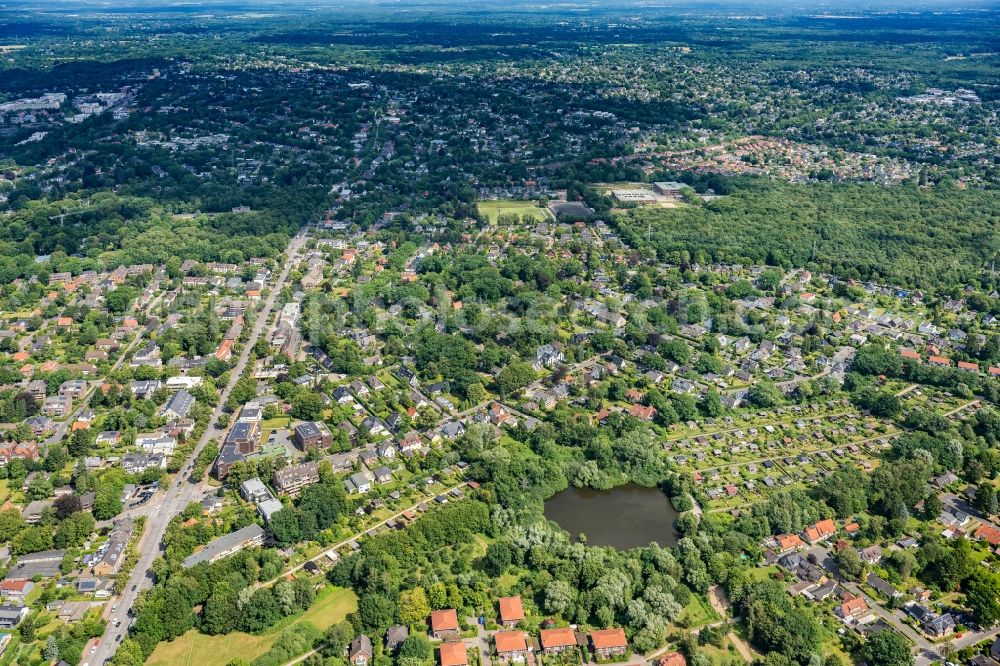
{"x":720,"y":600}
{"x":742,"y":647}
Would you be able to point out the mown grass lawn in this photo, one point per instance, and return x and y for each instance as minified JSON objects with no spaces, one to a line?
{"x":194,"y":649}
{"x":274,"y":424}
{"x":698,"y":613}
{"x":493,"y":209}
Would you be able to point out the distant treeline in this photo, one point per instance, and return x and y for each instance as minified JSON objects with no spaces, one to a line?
{"x":904,"y":236}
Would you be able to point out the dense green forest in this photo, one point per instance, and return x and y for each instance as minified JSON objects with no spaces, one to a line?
{"x":110,"y":231}
{"x":906,"y":236}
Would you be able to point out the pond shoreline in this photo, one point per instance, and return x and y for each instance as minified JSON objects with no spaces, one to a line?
{"x":623,"y":517}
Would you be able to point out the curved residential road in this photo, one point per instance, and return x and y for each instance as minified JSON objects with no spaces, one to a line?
{"x":182,"y":491}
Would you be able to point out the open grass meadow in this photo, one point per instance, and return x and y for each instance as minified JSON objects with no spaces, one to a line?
{"x":493,"y":209}
{"x":195,"y":649}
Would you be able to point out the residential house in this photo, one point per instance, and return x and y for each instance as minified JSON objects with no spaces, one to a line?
{"x":510,"y":646}
{"x":556,"y":641}
{"x":942,"y":625}
{"x":395,"y":636}
{"x":292,"y":479}
{"x":254,"y":490}
{"x":672,"y":659}
{"x":32,"y":512}
{"x":143,"y":388}
{"x":374,"y":425}
{"x":789,"y":542}
{"x":444,"y":623}
{"x":136,"y":463}
{"x":852,"y":609}
{"x":453,"y":654}
{"x":360,"y":482}
{"x":114,"y":549}
{"x":15,"y":590}
{"x":872,"y":554}
{"x":995,"y":649}
{"x":608,"y":643}
{"x":178,"y":406}
{"x":74,"y":389}
{"x":643,"y":412}
{"x":944,"y":480}
{"x":410,"y":442}
{"x":511,"y":611}
{"x":148,"y":355}
{"x":549,"y":355}
{"x":313,"y":434}
{"x":452,"y":430}
{"x":360,"y":651}
{"x":156,"y":443}
{"x":884,"y":587}
{"x":11,"y":615}
{"x":57,"y":406}
{"x":820,"y":531}
{"x":249,"y":536}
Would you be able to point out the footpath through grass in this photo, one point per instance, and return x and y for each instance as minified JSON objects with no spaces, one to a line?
{"x":195,"y":649}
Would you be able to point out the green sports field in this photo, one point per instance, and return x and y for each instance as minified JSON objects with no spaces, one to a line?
{"x":493,"y":209}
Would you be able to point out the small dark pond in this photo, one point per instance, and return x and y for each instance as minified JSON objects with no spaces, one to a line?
{"x":624,"y":517}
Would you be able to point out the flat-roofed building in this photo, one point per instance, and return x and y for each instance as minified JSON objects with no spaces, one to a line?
{"x":638,"y":195}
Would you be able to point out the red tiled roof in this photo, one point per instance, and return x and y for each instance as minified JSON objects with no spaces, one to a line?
{"x":511,"y":609}
{"x":510,"y":641}
{"x":562,"y":637}
{"x":853,"y":606}
{"x":673,"y":659}
{"x":604,"y":639}
{"x":444,"y":620}
{"x":642,"y":411}
{"x":453,"y":654}
{"x":821,"y":529}
{"x":988,"y":533}
{"x":788,"y":541}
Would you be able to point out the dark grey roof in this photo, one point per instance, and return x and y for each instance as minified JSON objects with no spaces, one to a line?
{"x":223,"y":544}
{"x":361,"y":644}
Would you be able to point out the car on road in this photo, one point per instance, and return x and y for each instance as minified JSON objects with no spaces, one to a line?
{"x":118,"y":638}
{"x":134,"y":587}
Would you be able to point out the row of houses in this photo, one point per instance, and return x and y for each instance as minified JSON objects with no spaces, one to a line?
{"x":511,"y":645}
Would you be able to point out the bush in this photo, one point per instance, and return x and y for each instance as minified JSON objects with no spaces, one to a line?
{"x":294,"y":641}
{"x":682,"y":503}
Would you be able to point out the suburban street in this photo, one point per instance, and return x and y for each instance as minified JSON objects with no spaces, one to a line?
{"x":63,"y":426}
{"x":181,"y":490}
{"x":893,"y":617}
{"x":927,"y":651}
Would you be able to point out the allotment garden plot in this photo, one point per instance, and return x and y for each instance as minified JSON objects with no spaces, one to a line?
{"x":735,"y":464}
